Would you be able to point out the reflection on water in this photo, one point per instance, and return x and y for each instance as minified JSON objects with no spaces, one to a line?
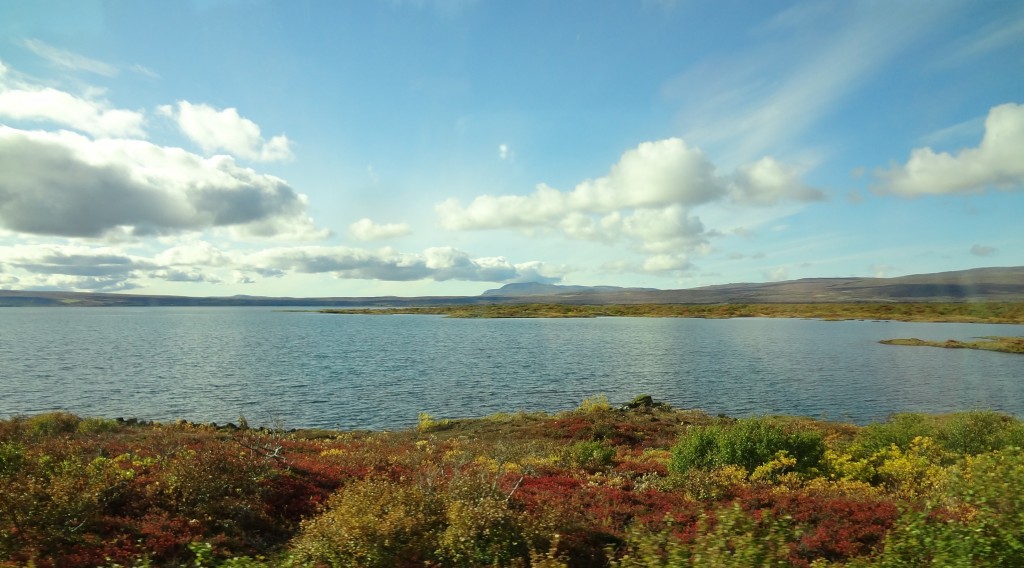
{"x":307,"y":369}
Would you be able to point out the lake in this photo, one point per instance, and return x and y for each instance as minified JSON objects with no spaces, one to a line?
{"x":378,"y":372}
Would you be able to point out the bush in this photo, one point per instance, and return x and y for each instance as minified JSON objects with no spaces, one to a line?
{"x":982,"y":527}
{"x":481,"y":531}
{"x":53,"y":423}
{"x":590,"y":456}
{"x":372,"y":523}
{"x":900,"y":430}
{"x":748,"y":443}
{"x":594,"y":404}
{"x":977,"y":432}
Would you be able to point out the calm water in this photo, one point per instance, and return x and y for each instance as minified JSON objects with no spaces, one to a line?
{"x":317,"y":370}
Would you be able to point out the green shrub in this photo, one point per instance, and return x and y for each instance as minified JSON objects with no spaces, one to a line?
{"x":977,"y":432}
{"x":11,"y":457}
{"x":97,"y":426}
{"x":748,"y":443}
{"x":53,"y":423}
{"x":900,"y":430}
{"x":588,"y":455}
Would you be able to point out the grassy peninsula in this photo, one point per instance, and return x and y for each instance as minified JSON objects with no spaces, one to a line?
{"x":973,"y":312}
{"x":637,"y":485}
{"x":987,"y":343}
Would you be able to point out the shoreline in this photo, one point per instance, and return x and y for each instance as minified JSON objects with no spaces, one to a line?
{"x":987,"y":312}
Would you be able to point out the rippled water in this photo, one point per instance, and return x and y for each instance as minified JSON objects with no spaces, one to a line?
{"x":317,"y":370}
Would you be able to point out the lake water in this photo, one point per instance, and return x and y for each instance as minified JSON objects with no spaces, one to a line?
{"x":376,"y":372}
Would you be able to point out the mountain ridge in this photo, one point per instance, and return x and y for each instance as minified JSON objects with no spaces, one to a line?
{"x":993,"y":284}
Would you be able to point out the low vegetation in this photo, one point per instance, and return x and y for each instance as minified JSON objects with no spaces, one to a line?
{"x":966,"y":312}
{"x":987,"y":343}
{"x":639,"y":485}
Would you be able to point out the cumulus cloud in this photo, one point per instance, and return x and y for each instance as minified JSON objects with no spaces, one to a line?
{"x":647,"y":199}
{"x":65,"y":184}
{"x":982,"y":250}
{"x":226,"y":130}
{"x":367,"y":230}
{"x":89,"y":114}
{"x":995,"y":162}
{"x":439,"y":263}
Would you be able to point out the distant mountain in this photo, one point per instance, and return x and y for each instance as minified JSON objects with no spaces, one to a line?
{"x":980,"y":284}
{"x":538,"y":289}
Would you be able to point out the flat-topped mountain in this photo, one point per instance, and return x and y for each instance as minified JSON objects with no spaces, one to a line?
{"x":975,"y":285}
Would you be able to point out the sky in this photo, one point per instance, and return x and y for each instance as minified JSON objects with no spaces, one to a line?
{"x":447,"y":147}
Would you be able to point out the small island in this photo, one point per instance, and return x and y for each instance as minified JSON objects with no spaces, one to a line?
{"x":986,"y":343}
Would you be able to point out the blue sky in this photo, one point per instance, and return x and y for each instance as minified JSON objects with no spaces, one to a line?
{"x":421,"y":147}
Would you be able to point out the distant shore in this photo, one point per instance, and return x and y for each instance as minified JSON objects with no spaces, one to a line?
{"x":981,"y":312}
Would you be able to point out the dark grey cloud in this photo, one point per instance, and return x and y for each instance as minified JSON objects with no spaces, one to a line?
{"x":65,"y":184}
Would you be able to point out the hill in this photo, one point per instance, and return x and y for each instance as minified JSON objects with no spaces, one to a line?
{"x":976,"y":285}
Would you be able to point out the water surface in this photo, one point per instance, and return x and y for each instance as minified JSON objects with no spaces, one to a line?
{"x":341,"y":371}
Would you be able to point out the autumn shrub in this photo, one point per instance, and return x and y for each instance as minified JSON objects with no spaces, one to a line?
{"x":748,"y":443}
{"x":594,"y":404}
{"x":825,"y":522}
{"x":914,"y":472}
{"x":372,"y":523}
{"x":480,"y":528}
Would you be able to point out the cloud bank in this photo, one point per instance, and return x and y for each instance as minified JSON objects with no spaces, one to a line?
{"x":437,"y":263}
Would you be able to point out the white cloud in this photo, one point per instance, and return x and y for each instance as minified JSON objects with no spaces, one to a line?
{"x":65,"y":184}
{"x":666,"y":263}
{"x":646,"y":200}
{"x":194,"y":253}
{"x":439,"y":263}
{"x":68,"y":60}
{"x":225,"y":130}
{"x":503,"y":152}
{"x":996,"y":162}
{"x":22,"y":101}
{"x":367,"y":230}
{"x":766,"y":182}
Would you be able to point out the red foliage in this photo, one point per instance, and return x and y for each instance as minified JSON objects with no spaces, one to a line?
{"x":832,"y":527}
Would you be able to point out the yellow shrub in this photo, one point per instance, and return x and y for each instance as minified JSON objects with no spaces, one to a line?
{"x":914,"y":473}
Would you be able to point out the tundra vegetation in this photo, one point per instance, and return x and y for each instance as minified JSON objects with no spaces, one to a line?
{"x":962,"y":312}
{"x":986,"y":343}
{"x":639,"y":485}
